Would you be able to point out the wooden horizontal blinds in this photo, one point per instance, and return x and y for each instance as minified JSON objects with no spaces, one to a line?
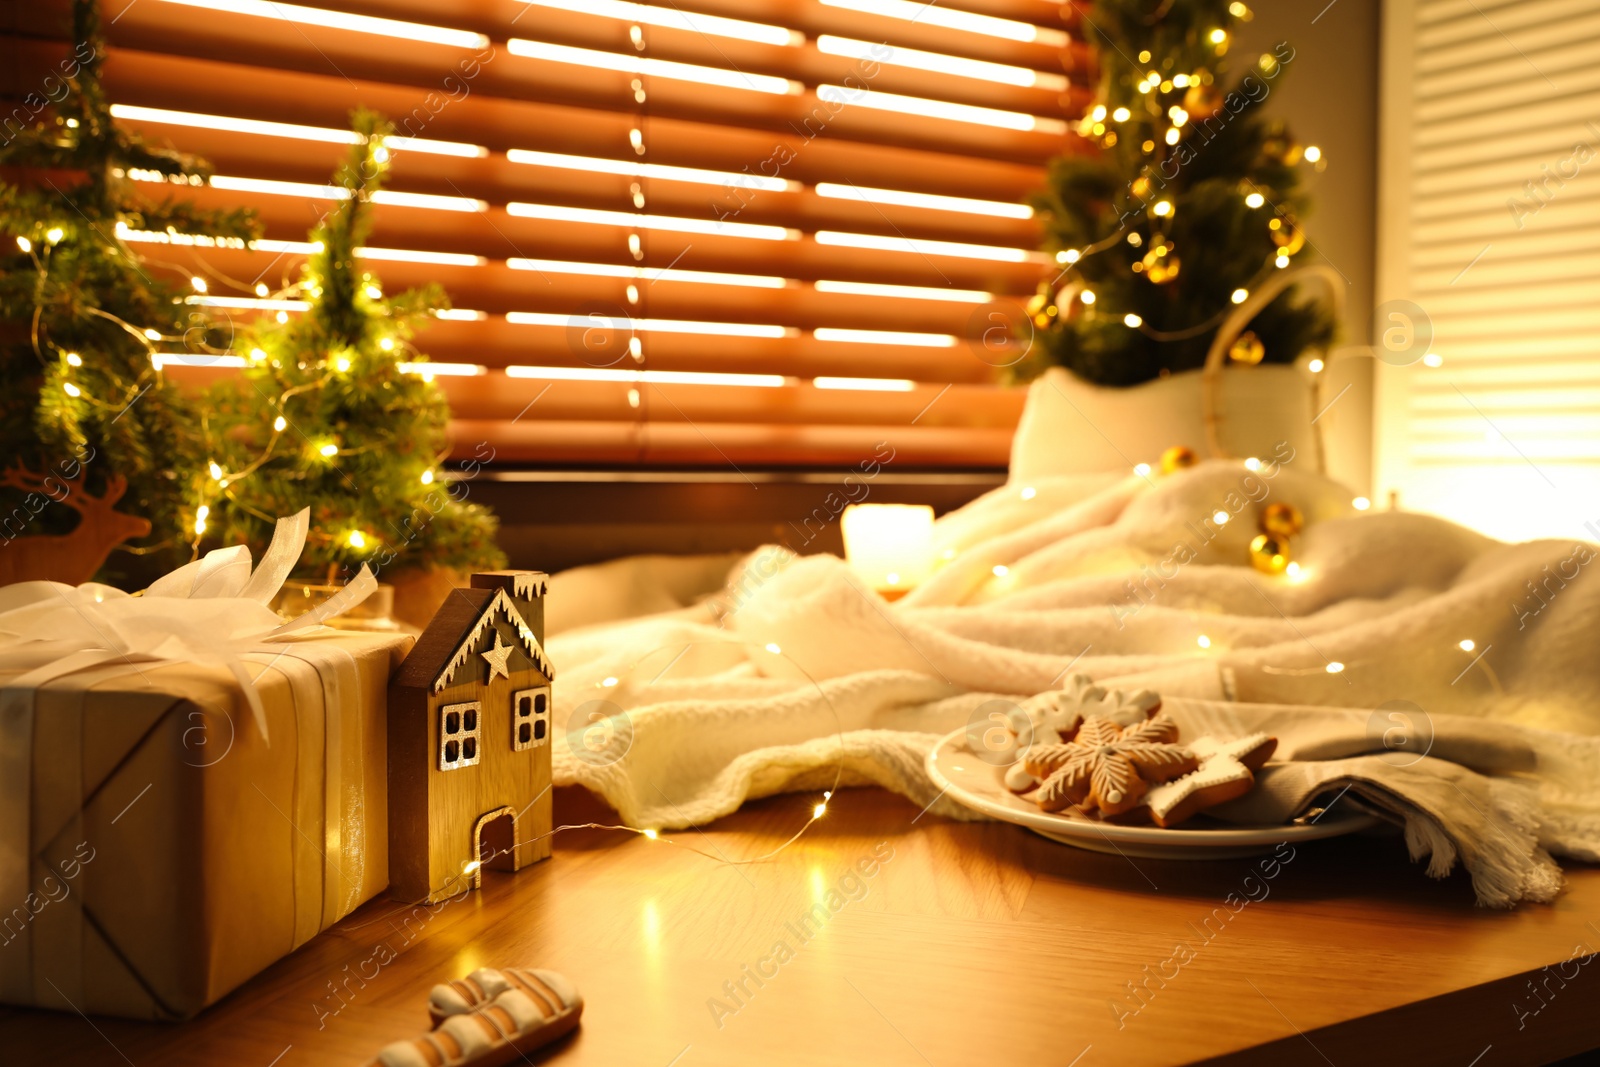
{"x":742,"y":231}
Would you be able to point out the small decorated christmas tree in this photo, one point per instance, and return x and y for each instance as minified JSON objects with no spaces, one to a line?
{"x":81,"y":318}
{"x":1190,"y":200}
{"x":325,"y":417}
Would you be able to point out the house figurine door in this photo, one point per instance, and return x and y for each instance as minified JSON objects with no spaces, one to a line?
{"x":469,"y":741}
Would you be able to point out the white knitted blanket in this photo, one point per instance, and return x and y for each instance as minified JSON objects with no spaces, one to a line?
{"x":792,"y":673}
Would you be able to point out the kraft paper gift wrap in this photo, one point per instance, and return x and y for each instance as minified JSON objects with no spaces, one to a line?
{"x":190,"y":789}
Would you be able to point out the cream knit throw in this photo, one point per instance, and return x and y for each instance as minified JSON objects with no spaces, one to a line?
{"x":1119,"y":578}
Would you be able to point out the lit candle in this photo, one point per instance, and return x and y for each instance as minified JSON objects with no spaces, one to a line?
{"x":889,"y":545}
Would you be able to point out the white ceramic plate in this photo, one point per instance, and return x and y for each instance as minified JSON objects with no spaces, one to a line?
{"x":979,"y":785}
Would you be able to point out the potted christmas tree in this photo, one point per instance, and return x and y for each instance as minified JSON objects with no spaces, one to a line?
{"x":1176,"y":236}
{"x":324,"y":416}
{"x":97,"y":442}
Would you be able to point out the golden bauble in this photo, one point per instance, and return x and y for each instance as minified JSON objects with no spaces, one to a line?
{"x":1269,"y":554}
{"x":1281,"y":520}
{"x":1178,"y":457}
{"x":1247,"y":348}
{"x":1161,"y":264}
{"x":1287,"y":235}
{"x":1202,"y":102}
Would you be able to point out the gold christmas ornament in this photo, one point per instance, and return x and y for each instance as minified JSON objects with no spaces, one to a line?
{"x":1281,"y":521}
{"x":1287,"y":235}
{"x":1161,"y":264}
{"x":1269,"y":554}
{"x":1178,"y":457}
{"x":1247,"y":348}
{"x":1202,"y":102}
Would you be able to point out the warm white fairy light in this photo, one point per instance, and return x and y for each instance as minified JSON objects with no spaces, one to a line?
{"x":608,"y":682}
{"x":427,"y":478}
{"x":1467,"y":645}
{"x":1361,"y":503}
{"x":1142,"y":469}
{"x":1132,"y":321}
{"x":1335,"y":667}
{"x":1252,"y":464}
{"x":71,"y":390}
{"x":387,"y":344}
{"x":280,"y":424}
{"x":200,"y":515}
{"x":152,"y":335}
{"x":215,"y":471}
{"x":329,"y":450}
{"x":24,"y":244}
{"x":651,"y":833}
{"x":1000,"y":570}
{"x":1433,"y":359}
{"x":1218,"y":36}
{"x":774,"y":649}
{"x":1315,"y":366}
{"x":1220,"y":517}
{"x":1069,"y":256}
{"x":1203,"y":641}
{"x":1312,"y":153}
{"x":1254,"y":200}
{"x":1240,"y":296}
{"x":1282,"y":262}
{"x":1122,"y":114}
{"x":357,"y":539}
{"x":341,"y":364}
{"x":1029,"y":492}
{"x":819,"y":811}
{"x":54,"y":234}
{"x":1293,"y":571}
{"x":1172,"y":136}
{"x":74,"y":360}
{"x":1087,"y":296}
{"x":1162,"y":209}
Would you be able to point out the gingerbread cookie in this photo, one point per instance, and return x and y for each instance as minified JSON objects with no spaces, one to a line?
{"x":1106,"y":767}
{"x":1227,"y":770}
{"x":1054,"y":717}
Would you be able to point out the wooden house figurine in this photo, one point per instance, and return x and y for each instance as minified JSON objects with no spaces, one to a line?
{"x":469,"y":741}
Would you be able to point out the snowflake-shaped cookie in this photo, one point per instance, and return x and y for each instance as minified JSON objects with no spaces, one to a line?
{"x":1107,"y":767}
{"x":1227,"y":770}
{"x":1055,"y":717}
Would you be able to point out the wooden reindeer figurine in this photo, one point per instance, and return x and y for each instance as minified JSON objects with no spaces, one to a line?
{"x":74,"y":557}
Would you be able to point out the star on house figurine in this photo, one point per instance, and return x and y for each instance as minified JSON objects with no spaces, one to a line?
{"x":469,"y":741}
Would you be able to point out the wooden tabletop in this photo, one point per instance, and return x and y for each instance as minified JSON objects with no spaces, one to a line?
{"x":936,"y":944}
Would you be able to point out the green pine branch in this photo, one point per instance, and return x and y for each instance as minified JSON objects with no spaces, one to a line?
{"x":1108,"y":211}
{"x":323,"y":416}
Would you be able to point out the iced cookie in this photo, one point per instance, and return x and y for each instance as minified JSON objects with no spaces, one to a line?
{"x":1106,"y":767}
{"x":1227,"y":770}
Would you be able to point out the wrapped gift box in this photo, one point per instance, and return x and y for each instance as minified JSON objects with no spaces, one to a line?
{"x":158,"y":848}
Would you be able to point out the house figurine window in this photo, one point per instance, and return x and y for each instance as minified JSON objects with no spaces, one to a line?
{"x":530,"y":718}
{"x":458,"y":735}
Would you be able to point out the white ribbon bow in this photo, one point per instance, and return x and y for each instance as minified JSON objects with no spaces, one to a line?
{"x":208,"y":611}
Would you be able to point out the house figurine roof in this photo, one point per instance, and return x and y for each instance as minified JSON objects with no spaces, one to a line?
{"x":461,"y":620}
